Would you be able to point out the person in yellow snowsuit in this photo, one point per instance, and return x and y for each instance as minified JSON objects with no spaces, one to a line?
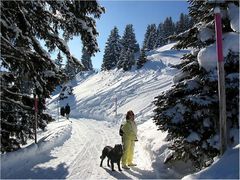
{"x":129,"y":137}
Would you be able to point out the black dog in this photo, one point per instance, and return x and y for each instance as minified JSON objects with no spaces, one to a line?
{"x":114,"y":155}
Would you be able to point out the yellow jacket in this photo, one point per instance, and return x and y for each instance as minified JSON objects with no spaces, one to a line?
{"x":129,"y":130}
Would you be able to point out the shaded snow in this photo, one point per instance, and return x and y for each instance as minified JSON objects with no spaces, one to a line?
{"x":206,"y":34}
{"x":227,"y":167}
{"x":233,"y":12}
{"x":193,"y":137}
{"x":55,"y":135}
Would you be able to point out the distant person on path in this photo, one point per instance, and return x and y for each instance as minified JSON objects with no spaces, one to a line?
{"x":67,"y":111}
{"x":62,"y":111}
{"x":129,"y":129}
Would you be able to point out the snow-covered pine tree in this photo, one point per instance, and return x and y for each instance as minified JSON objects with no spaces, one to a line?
{"x":160,"y":41}
{"x":126,"y":60}
{"x":189,"y":112}
{"x":181,"y":24}
{"x":128,"y":40}
{"x":86,"y":60}
{"x":146,"y":36}
{"x":23,"y":25}
{"x":112,"y":50}
{"x":164,"y":31}
{"x":122,"y":58}
{"x":59,"y":60}
{"x":129,"y":49}
{"x":71,"y":69}
{"x":184,"y":23}
{"x":150,"y":37}
{"x":142,"y":59}
{"x":188,"y":22}
{"x":168,"y":28}
{"x":136,"y":49}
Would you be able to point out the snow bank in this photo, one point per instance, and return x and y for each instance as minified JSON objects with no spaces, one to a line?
{"x":166,"y":55}
{"x":166,"y":47}
{"x":207,"y":57}
{"x":156,"y":145}
{"x":227,"y":167}
{"x":57,"y":136}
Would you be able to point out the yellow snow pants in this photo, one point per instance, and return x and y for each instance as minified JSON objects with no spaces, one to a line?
{"x":128,"y":150}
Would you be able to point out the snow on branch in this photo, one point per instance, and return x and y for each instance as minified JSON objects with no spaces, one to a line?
{"x":207,"y":56}
{"x":233,"y":12}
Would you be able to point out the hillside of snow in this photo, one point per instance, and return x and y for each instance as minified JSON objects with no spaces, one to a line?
{"x":96,"y":95}
{"x":99,"y":102}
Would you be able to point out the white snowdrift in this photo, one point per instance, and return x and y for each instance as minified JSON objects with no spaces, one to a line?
{"x":166,"y":55}
{"x":57,"y":134}
{"x":207,"y":57}
{"x":227,"y":167}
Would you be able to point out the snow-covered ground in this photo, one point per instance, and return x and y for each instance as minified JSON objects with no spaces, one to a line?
{"x":226,"y":167}
{"x":71,"y":148}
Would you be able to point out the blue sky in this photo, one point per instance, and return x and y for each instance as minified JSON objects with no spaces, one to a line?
{"x":120,"y":13}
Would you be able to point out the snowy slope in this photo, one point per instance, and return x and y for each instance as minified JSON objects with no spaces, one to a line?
{"x":96,"y":97}
{"x":71,"y":149}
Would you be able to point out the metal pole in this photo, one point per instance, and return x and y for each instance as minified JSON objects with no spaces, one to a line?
{"x":36,"y":111}
{"x":221,"y":82}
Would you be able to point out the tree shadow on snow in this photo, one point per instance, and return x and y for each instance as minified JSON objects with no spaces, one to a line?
{"x":29,"y":171}
{"x":60,"y":172}
{"x":30,"y":168}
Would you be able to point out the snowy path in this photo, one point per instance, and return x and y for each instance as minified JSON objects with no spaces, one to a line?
{"x":78,"y":157}
{"x":88,"y":139}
